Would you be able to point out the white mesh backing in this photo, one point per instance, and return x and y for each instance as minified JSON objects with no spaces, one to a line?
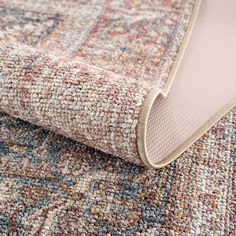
{"x":205,"y":82}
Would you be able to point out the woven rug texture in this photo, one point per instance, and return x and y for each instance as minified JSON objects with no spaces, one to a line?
{"x":83,"y":68}
{"x":83,"y":85}
{"x":50,"y":185}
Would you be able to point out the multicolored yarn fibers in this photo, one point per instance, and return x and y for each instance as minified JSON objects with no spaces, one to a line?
{"x":47,"y":187}
{"x":75,"y":75}
{"x":83,"y":68}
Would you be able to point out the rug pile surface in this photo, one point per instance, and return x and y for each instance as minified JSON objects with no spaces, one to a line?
{"x":50,"y":185}
{"x":90,"y":96}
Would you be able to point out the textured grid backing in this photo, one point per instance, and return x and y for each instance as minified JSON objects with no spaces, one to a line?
{"x":205,"y":83}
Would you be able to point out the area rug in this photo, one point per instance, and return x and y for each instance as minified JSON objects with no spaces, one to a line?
{"x":93,"y":93}
{"x":50,"y":185}
{"x":96,"y":71}
{"x":83,"y":68}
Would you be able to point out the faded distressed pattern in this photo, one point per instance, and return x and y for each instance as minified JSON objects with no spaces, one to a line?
{"x":84,"y":68}
{"x":50,"y":185}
